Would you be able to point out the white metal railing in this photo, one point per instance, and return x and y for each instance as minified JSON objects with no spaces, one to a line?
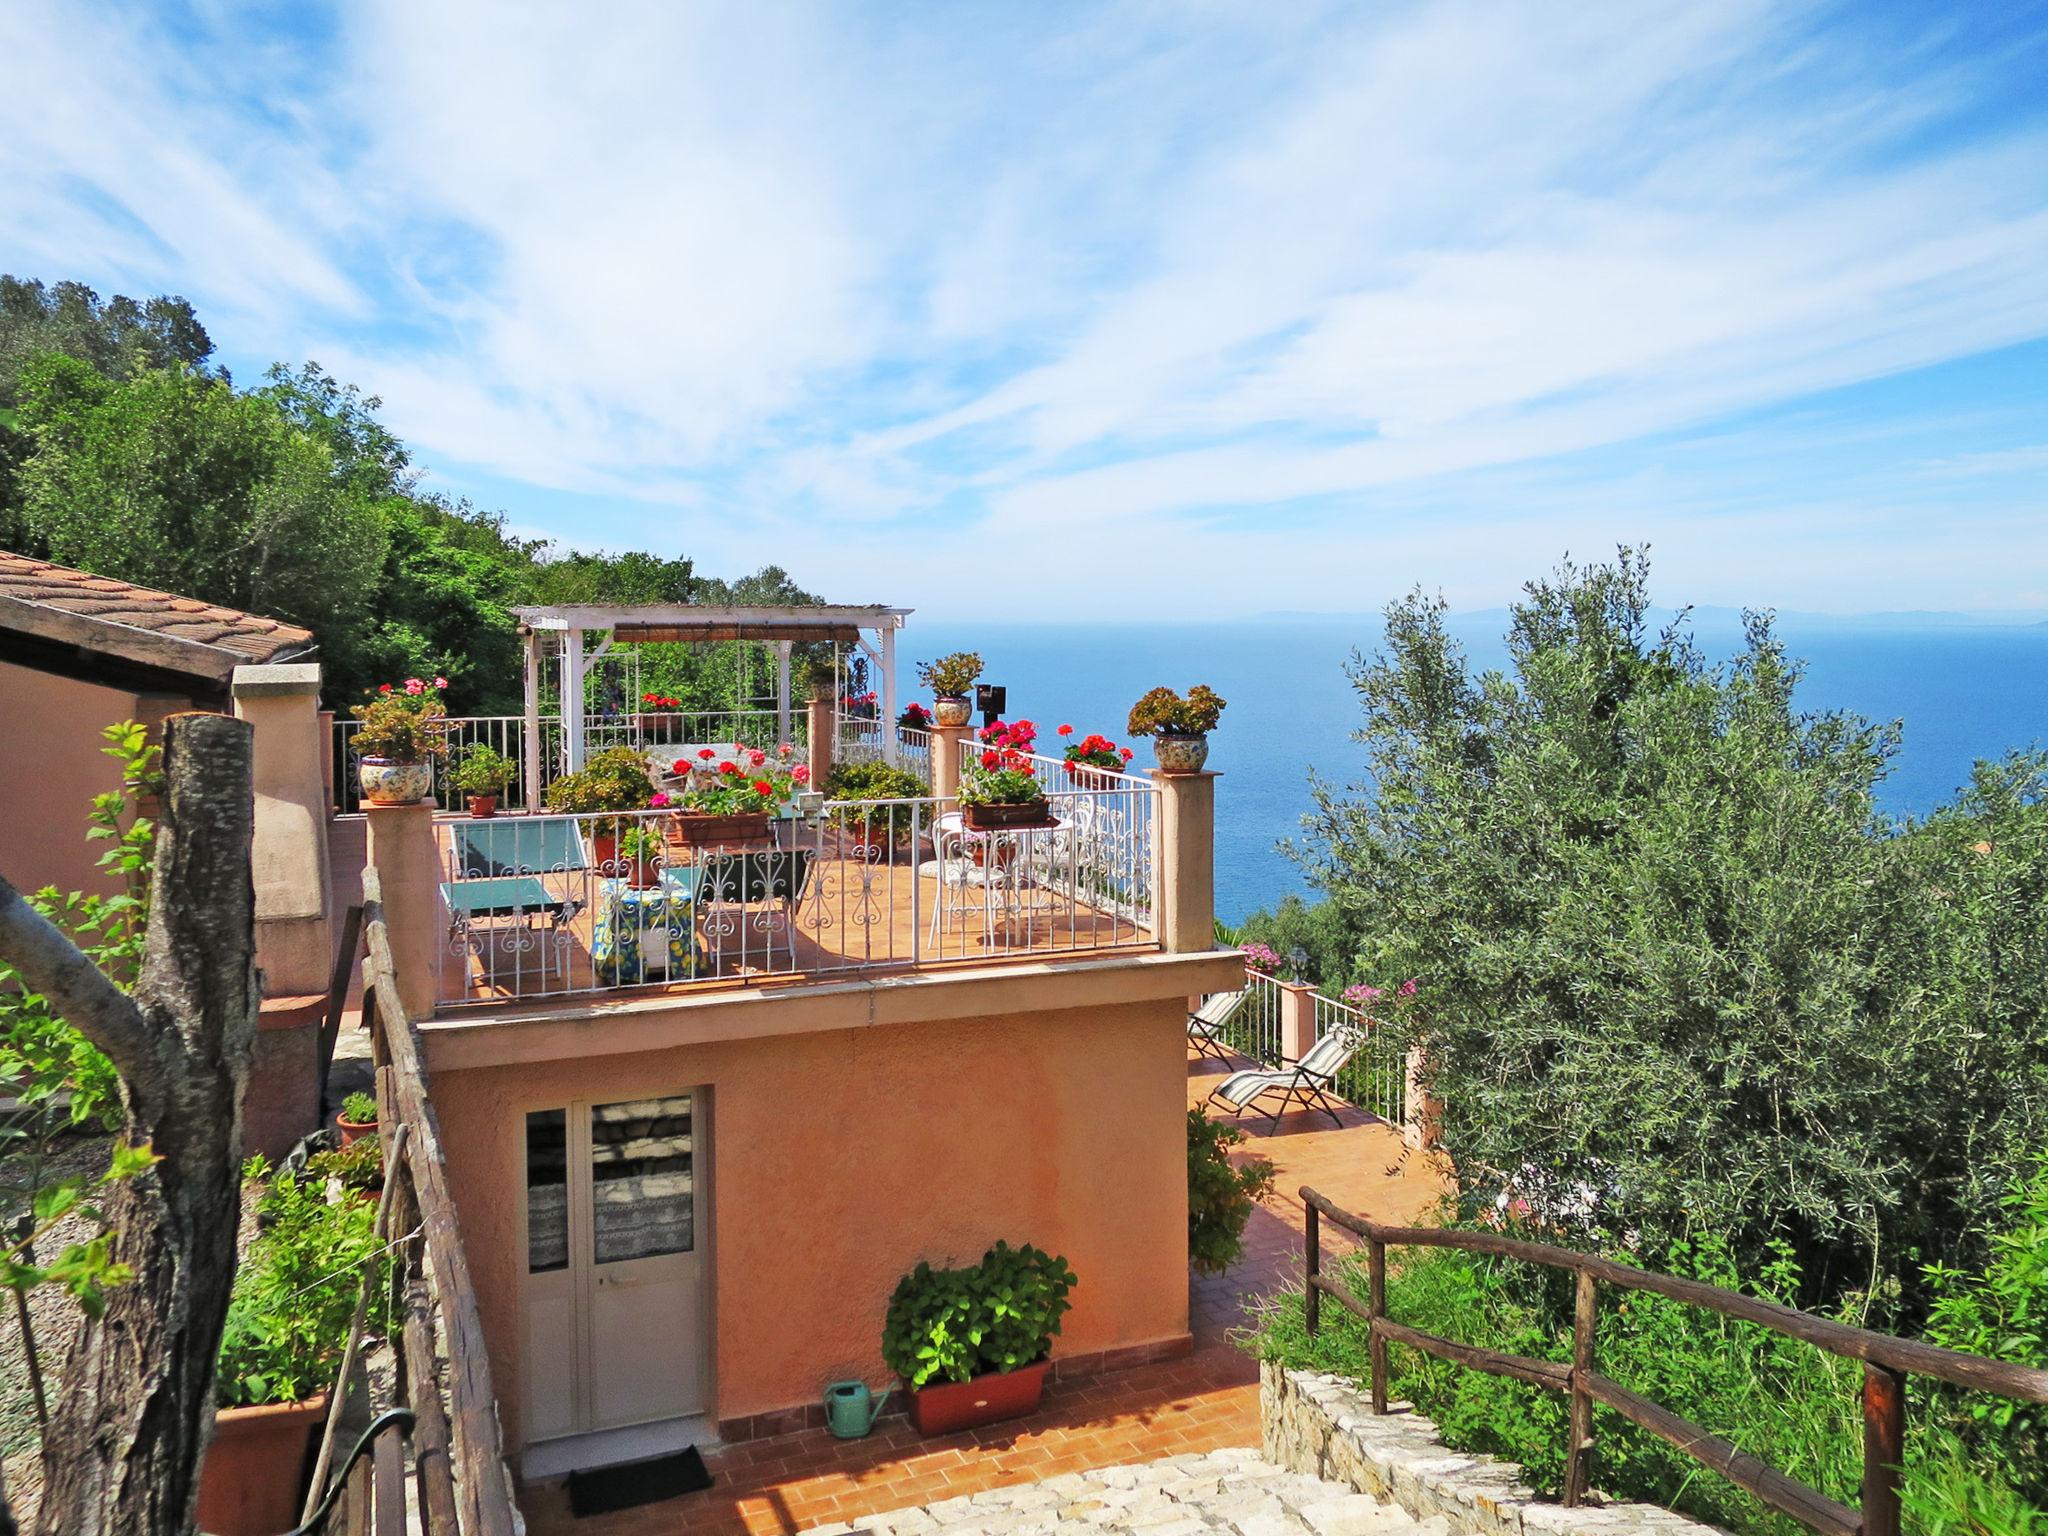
{"x":914,"y":749}
{"x":1376,"y":1077}
{"x":659,"y":730}
{"x":537,"y":906}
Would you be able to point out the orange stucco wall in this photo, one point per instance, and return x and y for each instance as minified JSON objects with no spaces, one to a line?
{"x":839,"y":1159}
{"x":51,"y":765}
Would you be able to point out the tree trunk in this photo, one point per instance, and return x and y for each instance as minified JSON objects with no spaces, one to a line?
{"x":122,"y":1454}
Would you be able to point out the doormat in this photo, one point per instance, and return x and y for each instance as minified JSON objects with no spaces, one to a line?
{"x":601,"y":1490}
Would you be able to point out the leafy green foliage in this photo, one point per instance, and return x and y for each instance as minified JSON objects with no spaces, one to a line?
{"x":874,"y":781}
{"x":359,"y":1109}
{"x":83,"y":1269}
{"x":1221,"y":1194}
{"x":1683,"y":978}
{"x":1318,"y":931}
{"x":956,"y":1324}
{"x":295,"y":1291}
{"x":484,"y":770}
{"x":952,"y":675}
{"x":612,"y":780}
{"x":359,"y":1167}
{"x":1164,"y":712}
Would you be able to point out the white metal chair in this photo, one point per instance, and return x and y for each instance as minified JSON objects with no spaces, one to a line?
{"x":959,"y":876}
{"x":1307,"y":1083}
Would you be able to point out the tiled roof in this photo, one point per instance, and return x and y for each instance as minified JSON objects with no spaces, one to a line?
{"x":124,"y":620}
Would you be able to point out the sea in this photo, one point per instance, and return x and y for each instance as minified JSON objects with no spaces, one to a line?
{"x":1964,"y":691}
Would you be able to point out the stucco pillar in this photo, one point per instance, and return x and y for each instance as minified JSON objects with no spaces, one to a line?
{"x":818,"y":726}
{"x":950,"y":743}
{"x":288,"y":856}
{"x":1297,"y":1019}
{"x":327,"y":760}
{"x":407,"y":859}
{"x":1187,"y":861}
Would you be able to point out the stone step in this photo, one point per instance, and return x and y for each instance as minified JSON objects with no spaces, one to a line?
{"x":1219,"y":1493}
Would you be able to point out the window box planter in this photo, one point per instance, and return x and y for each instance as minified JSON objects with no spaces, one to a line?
{"x":387,"y":783}
{"x":699,"y":829}
{"x":946,"y":1406}
{"x":1006,"y":818}
{"x":255,"y":1469}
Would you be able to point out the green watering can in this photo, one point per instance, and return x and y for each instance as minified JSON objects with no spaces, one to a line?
{"x":851,"y":1409}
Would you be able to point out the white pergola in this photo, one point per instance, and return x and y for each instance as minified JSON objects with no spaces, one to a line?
{"x":688,"y":624}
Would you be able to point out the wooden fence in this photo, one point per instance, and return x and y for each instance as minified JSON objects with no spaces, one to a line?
{"x":1887,"y":1362}
{"x":445,"y":1403}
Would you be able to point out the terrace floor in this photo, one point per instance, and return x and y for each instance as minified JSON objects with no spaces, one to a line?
{"x":1204,"y":1401}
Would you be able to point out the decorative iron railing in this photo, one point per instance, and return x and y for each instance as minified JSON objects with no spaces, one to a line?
{"x":555,"y":905}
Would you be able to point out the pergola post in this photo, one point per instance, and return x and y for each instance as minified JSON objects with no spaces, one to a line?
{"x":529,"y":755}
{"x":572,"y":699}
{"x":892,"y":751}
{"x":782,"y":691}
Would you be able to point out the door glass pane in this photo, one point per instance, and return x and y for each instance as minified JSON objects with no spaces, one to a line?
{"x":641,"y":1179}
{"x":547,"y":1191}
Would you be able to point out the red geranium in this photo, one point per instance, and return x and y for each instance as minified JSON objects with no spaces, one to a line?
{"x":763,"y":787}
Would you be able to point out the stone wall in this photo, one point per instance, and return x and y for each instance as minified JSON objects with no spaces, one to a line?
{"x":1324,"y":1426}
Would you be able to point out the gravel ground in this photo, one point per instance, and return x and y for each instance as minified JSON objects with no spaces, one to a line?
{"x":54,"y":1318}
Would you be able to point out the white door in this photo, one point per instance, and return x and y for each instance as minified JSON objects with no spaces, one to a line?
{"x":615,"y":1277}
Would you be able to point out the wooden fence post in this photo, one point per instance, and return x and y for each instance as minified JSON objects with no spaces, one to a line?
{"x":1312,"y":1269}
{"x":1884,"y":1448}
{"x":1376,"y":1306}
{"x":1578,"y":1460}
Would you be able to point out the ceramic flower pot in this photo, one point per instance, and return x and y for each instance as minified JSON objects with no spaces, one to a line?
{"x":255,"y":1468}
{"x":481,"y":806}
{"x":353,"y":1131}
{"x":952,"y":709}
{"x":387,"y":783}
{"x":1180,"y":754}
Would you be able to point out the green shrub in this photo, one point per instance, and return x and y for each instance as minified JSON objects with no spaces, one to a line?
{"x":358,"y":1167}
{"x":874,"y":781}
{"x":613,"y":780}
{"x":1220,"y":1194}
{"x":359,"y":1109}
{"x":294,"y":1292}
{"x":956,"y":1324}
{"x":484,"y":770}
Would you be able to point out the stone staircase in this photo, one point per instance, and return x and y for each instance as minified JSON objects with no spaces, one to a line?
{"x":1223,"y":1493}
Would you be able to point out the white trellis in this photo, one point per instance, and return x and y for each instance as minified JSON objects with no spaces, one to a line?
{"x":569,"y":639}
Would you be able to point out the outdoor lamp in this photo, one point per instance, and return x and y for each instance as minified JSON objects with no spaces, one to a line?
{"x":1297,"y":957}
{"x":809,"y":802}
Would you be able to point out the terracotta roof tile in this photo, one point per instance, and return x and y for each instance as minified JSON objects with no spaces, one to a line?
{"x":121,"y":605}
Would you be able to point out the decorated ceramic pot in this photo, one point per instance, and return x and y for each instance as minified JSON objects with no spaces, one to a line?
{"x":387,"y":783}
{"x":952,"y":709}
{"x":1180,"y":754}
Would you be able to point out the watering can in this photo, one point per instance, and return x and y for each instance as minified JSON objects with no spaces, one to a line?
{"x":851,"y":1409}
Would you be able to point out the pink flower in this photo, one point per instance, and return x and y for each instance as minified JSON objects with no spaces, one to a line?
{"x":659,"y":802}
{"x":440,"y":682}
{"x":414,"y":686}
{"x":801,"y":774}
{"x":1409,"y":988}
{"x":784,"y":749}
{"x":757,"y":758}
{"x":1362,"y":994}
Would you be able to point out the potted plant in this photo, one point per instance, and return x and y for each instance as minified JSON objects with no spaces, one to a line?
{"x":999,"y":791}
{"x":1092,"y":759}
{"x":652,"y":707}
{"x":972,"y":1345}
{"x":915,"y":717}
{"x":287,"y":1324}
{"x":401,"y":738}
{"x":1179,"y":727}
{"x":642,"y":851}
{"x":727,"y":797}
{"x":950,"y":678}
{"x":358,"y":1118}
{"x":613,"y":780}
{"x":357,"y":1168}
{"x":867,"y":829}
{"x":483,"y":775}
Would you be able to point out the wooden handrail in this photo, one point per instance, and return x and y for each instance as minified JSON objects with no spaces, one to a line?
{"x":484,"y":1503}
{"x":1887,"y":1362}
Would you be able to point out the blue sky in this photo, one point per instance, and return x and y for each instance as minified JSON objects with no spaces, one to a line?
{"x":1150,"y":308}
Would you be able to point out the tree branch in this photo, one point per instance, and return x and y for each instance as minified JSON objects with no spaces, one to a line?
{"x":77,"y":989}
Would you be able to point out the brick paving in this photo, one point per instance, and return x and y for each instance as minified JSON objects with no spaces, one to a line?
{"x":1205,"y":1402}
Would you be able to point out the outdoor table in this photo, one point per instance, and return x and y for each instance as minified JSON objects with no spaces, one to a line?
{"x":628,"y":915}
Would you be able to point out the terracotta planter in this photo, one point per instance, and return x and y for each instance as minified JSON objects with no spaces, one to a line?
{"x":481,"y":806}
{"x":699,"y":830}
{"x":255,"y":1470}
{"x":1180,"y":754}
{"x":643,"y":873}
{"x":952,"y":709}
{"x":1004,"y":818}
{"x":1087,"y":776}
{"x":387,"y":783}
{"x":944,"y":1407}
{"x":354,"y":1131}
